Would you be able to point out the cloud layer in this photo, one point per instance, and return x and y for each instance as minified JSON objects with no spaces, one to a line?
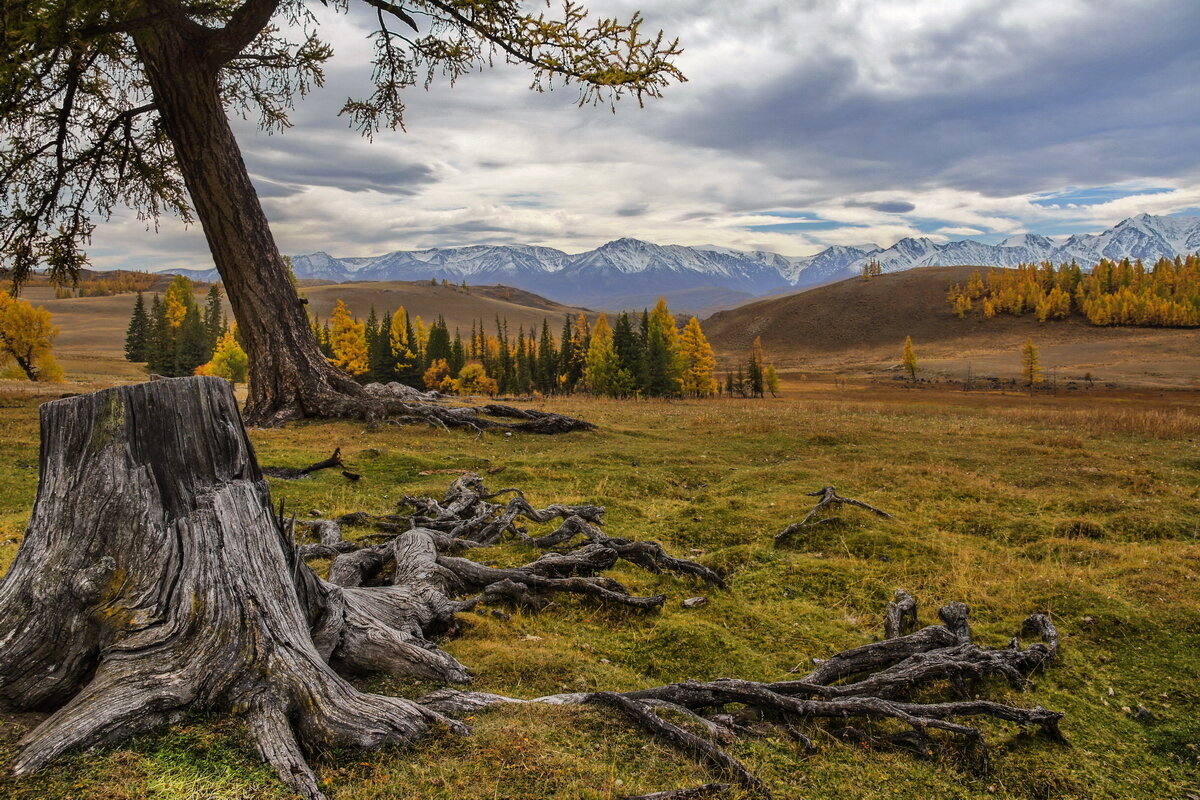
{"x":803,"y":124}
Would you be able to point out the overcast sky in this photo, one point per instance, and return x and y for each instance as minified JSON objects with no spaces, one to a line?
{"x":804,"y":123}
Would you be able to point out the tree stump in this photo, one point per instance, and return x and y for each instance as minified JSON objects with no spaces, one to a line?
{"x":155,"y":579}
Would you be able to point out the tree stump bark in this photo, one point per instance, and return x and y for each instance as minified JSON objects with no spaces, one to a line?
{"x":155,"y":579}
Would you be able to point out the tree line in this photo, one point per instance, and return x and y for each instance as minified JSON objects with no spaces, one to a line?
{"x":176,"y":337}
{"x":1122,"y":292}
{"x":646,"y":355}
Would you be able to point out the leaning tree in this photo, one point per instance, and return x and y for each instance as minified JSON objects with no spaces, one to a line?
{"x":107,"y":104}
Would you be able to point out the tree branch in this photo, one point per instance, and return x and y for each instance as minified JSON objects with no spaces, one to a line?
{"x":244,"y":26}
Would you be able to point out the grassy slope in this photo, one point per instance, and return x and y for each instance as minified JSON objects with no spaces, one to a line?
{"x":91,"y":342}
{"x":1085,"y":507}
{"x":855,"y":323}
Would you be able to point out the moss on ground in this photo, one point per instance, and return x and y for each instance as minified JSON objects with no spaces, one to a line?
{"x":1086,"y":509}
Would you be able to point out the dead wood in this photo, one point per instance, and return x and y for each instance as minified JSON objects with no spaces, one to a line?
{"x":694,"y":793}
{"x":888,"y":676}
{"x":829,"y":497}
{"x":156,"y":579}
{"x":294,"y":473}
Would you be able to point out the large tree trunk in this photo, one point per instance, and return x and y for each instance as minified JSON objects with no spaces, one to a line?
{"x":154,"y":579}
{"x":289,"y":377}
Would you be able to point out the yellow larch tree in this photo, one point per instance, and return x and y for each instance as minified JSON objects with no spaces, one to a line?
{"x":698,"y":361}
{"x":403,"y":350}
{"x":229,"y":360}
{"x":348,"y":340}
{"x":909,"y":359}
{"x":26,"y":337}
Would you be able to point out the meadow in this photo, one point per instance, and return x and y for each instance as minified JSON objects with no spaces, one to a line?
{"x":1083,"y":505}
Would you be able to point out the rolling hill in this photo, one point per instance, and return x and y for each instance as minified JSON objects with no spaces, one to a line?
{"x":91,"y":343}
{"x":857,"y":324}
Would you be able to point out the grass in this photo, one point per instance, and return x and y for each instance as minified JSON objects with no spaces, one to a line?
{"x":1085,"y":507}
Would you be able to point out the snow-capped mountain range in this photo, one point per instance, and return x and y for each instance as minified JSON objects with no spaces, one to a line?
{"x":631,"y":273}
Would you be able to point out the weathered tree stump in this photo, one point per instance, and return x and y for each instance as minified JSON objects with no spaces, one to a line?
{"x":155,"y":579}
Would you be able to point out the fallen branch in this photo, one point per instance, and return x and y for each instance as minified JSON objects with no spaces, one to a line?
{"x":293,"y":473}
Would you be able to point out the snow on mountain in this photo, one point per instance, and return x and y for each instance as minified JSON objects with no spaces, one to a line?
{"x":633,"y":273}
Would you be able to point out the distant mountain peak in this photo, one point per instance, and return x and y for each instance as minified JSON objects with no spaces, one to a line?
{"x":630,"y":272}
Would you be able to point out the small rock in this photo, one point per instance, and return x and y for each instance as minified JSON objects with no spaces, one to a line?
{"x":316,"y":513}
{"x":1111,"y":692}
{"x":1142,"y":714}
{"x":529,"y":637}
{"x":508,"y":433}
{"x":1086,"y":620}
{"x":697,"y":519}
{"x":605,"y":661}
{"x":498,"y":614}
{"x":695,"y":602}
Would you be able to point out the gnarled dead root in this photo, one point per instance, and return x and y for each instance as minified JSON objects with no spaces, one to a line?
{"x":829,"y":497}
{"x":886,"y":681}
{"x":156,"y":579}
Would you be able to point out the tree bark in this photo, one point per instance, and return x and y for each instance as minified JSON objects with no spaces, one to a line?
{"x":289,"y":377}
{"x":154,"y":579}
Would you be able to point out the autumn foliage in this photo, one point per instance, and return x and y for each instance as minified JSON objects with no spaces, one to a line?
{"x":26,"y":337}
{"x":1125,"y":292}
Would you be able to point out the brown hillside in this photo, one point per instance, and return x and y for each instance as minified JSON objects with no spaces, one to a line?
{"x":460,"y":308}
{"x":91,"y":342}
{"x":862,"y":324}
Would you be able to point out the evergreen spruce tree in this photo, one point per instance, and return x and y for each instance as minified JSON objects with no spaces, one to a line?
{"x":137,"y":335}
{"x":664,"y":367}
{"x":547,"y":361}
{"x":191,"y":343}
{"x":379,"y":351}
{"x":630,"y":347}
{"x":371,"y":333}
{"x":729,"y":387}
{"x":581,"y":339}
{"x":160,"y":347}
{"x":326,"y":341}
{"x":504,"y":362}
{"x":458,"y":354}
{"x":754,"y":370}
{"x":438,"y":347}
{"x":565,"y":384}
{"x":523,"y":373}
{"x":213,"y":322}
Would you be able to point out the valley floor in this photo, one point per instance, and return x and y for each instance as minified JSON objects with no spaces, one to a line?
{"x":1083,"y":505}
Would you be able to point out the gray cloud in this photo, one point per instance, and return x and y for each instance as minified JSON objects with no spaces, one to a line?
{"x":886,"y":207}
{"x":1106,"y":102}
{"x":885,"y":118}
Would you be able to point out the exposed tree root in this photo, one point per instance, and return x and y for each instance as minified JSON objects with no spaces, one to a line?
{"x":829,"y":497}
{"x":695,"y":793}
{"x":402,"y":405}
{"x":156,"y":579}
{"x":882,"y":682}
